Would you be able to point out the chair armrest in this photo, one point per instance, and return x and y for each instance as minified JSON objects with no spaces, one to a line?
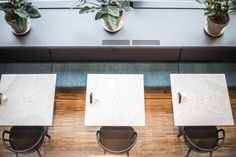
{"x":4,"y":133}
{"x":4,"y":140}
{"x":221,"y":138}
{"x":134,"y":135}
{"x":223,"y":133}
{"x":98,"y":135}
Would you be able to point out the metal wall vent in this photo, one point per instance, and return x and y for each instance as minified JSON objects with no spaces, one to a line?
{"x":134,"y":42}
{"x":146,"y":42}
{"x":115,"y":42}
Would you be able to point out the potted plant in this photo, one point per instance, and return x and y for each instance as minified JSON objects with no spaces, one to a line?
{"x":110,"y":11}
{"x":217,"y":12}
{"x":17,"y":13}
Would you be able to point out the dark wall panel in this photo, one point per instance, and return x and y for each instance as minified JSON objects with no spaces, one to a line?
{"x":116,"y":53}
{"x":208,"y":54}
{"x":125,"y":53}
{"x":24,"y":54}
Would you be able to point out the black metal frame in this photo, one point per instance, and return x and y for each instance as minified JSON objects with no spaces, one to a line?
{"x":187,"y":139}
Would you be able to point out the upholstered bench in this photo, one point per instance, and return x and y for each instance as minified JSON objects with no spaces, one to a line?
{"x":156,"y":74}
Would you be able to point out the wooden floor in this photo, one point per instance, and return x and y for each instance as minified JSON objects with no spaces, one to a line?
{"x":70,"y":138}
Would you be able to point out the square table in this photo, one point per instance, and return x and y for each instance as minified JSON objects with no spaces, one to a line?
{"x":205,"y":100}
{"x":30,"y":99}
{"x":119,"y":100}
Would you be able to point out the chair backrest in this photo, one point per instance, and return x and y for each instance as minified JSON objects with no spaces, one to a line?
{"x":203,"y":138}
{"x":24,"y":139}
{"x":116,"y":139}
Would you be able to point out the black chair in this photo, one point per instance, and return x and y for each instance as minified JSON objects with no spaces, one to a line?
{"x":116,"y":139}
{"x":24,"y":139}
{"x":203,"y":139}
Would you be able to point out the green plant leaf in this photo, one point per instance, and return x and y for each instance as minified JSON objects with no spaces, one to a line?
{"x":21,"y":23}
{"x":22,"y":3}
{"x":87,"y":9}
{"x":100,"y":15}
{"x":33,"y":12}
{"x":127,"y":8}
{"x":26,"y":4}
{"x":7,"y":7}
{"x":112,"y":10}
{"x":102,"y":1}
{"x":21,"y":12}
{"x":21,"y":8}
{"x":233,"y":4}
{"x":80,"y":3}
{"x":112,"y":21}
{"x":115,"y":3}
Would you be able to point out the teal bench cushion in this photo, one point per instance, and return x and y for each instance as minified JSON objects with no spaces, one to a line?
{"x":25,"y":68}
{"x":156,"y":75}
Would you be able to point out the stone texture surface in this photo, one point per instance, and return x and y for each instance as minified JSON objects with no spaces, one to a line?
{"x":205,"y":100}
{"x":30,"y":99}
{"x":118,"y":100}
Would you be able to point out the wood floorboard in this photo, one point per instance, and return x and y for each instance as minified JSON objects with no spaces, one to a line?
{"x":70,"y":138}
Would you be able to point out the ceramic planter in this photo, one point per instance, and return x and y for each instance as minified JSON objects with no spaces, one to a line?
{"x":107,"y":27}
{"x":214,"y":29}
{"x":15,"y":29}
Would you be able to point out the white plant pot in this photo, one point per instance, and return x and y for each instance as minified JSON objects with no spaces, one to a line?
{"x":14,"y":27}
{"x":23,"y":33}
{"x":214,"y":29}
{"x":119,"y":26}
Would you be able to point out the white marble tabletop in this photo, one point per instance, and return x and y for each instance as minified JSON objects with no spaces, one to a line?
{"x":205,"y":100}
{"x":118,"y":100}
{"x":30,"y":99}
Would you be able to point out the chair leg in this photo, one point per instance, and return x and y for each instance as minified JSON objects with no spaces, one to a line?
{"x":48,"y":136}
{"x":39,"y":153}
{"x":211,"y":154}
{"x":189,"y":150}
{"x":181,"y":128}
{"x":17,"y":155}
{"x":46,"y":132}
{"x":128,"y":154}
{"x":105,"y":152}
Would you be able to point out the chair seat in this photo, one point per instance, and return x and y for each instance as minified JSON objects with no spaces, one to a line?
{"x":116,"y":144}
{"x":204,"y":137}
{"x":22,"y":138}
{"x":117,"y":139}
{"x":201,"y":131}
